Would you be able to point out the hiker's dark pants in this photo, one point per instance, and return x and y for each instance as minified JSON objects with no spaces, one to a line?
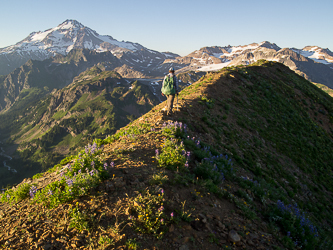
{"x":170,"y":99}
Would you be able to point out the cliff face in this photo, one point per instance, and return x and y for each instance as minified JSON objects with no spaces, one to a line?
{"x":243,"y":163}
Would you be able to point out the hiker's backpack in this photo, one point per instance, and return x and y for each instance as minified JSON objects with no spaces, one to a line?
{"x":168,"y":88}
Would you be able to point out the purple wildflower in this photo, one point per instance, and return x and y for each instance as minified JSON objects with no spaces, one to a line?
{"x":69,"y":182}
{"x":171,"y":214}
{"x":33,"y":191}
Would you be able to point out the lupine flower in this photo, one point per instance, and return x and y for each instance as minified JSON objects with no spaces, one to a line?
{"x":112,"y":164}
{"x":105,"y":166}
{"x":156,"y":152}
{"x":161,"y":209}
{"x":186,"y":164}
{"x":92,"y":163}
{"x":69,"y":182}
{"x":50,"y":192}
{"x":32,"y":191}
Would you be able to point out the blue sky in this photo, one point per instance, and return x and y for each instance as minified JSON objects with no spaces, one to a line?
{"x":179,"y":26}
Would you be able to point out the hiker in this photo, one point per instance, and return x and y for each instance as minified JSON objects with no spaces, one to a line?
{"x":170,"y":89}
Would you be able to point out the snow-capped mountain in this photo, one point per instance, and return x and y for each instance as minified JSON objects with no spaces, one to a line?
{"x":214,"y":58}
{"x":67,"y":36}
{"x":218,"y":57}
{"x":317,"y":54}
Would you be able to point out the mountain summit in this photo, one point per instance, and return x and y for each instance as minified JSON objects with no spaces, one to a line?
{"x":68,"y":35}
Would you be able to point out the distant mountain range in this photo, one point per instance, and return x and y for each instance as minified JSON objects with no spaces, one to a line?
{"x":312,"y":62}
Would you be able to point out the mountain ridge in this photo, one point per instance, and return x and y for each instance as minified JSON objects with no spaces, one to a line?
{"x":247,"y":152}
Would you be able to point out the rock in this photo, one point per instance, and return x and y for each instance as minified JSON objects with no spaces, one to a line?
{"x":250,"y":242}
{"x":210,"y":216}
{"x":118,"y":182}
{"x":233,"y":236}
{"x":186,"y":239}
{"x":209,"y":228}
{"x":187,"y":227}
{"x":184,"y":247}
{"x":109,"y":186}
{"x":220,"y":225}
{"x":203,"y":218}
{"x":253,"y":236}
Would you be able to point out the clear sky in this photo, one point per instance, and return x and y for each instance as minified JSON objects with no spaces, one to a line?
{"x":181,"y":26}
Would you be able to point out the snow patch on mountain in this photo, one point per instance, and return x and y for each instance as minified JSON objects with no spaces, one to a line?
{"x":214,"y":67}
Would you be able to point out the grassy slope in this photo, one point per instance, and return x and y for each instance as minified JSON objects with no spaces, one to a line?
{"x":277,"y":129}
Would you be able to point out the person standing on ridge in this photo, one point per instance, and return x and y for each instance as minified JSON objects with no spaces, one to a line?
{"x":170,"y":89}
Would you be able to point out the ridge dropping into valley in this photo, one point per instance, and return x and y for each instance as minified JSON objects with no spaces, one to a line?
{"x":94,"y":105}
{"x":245,"y":163}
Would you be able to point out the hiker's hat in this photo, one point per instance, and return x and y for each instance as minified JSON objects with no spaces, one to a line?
{"x":172,"y":69}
